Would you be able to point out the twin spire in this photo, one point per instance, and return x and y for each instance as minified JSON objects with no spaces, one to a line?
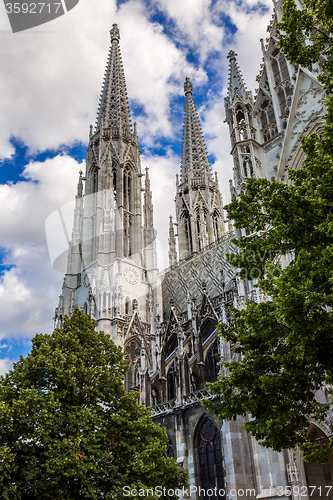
{"x":194,"y":163}
{"x":114,"y":113}
{"x":113,"y":108}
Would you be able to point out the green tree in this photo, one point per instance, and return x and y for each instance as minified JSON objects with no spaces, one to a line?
{"x":286,"y":343}
{"x":68,"y":428}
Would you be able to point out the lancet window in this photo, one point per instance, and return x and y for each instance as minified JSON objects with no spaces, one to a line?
{"x":127,"y":189}
{"x":210,"y":459}
{"x":201,"y":228}
{"x":212,"y":367}
{"x":241,"y":124}
{"x":188,"y":232}
{"x":283,"y":94}
{"x":154,"y":397}
{"x":267,"y":118}
{"x":127,"y":235}
{"x":127,"y":306}
{"x":279,"y":66}
{"x":172,"y":383}
{"x":216,"y":224}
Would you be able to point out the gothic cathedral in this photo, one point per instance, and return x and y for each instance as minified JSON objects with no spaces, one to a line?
{"x":166,"y":322}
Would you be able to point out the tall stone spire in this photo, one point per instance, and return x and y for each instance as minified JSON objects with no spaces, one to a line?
{"x":112,"y":259}
{"x":195,"y":163}
{"x":199,"y":208}
{"x":113,"y":108}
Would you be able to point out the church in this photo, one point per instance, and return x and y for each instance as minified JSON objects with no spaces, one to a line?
{"x":166,"y":322}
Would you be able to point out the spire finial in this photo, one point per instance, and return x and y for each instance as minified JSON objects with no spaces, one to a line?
{"x":187,"y":86}
{"x":114,"y":33}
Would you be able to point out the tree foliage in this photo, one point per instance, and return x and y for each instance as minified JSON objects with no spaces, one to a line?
{"x":69,"y":430}
{"x":286,"y":343}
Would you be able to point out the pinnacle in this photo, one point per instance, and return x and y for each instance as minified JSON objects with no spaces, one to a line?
{"x":236,"y":82}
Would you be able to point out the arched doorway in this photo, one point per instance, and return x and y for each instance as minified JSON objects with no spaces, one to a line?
{"x":319,"y":476}
{"x":210,"y":462}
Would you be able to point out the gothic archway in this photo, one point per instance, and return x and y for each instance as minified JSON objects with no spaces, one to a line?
{"x":210,"y":460}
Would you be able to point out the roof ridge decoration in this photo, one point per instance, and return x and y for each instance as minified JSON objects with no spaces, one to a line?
{"x":194,"y":162}
{"x":113,"y":109}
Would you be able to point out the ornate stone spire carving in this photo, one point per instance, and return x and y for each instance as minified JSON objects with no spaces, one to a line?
{"x":113,"y":109}
{"x":195,"y":163}
{"x":199,"y":208}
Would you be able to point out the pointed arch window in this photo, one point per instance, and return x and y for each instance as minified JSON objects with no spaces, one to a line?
{"x":282,"y":100}
{"x":127,"y":235}
{"x":127,"y":306}
{"x":216,"y":220}
{"x":127,"y":188}
{"x":172,"y":384}
{"x":279,"y":67}
{"x":170,"y":452}
{"x":210,"y":459}
{"x":240,"y":117}
{"x":95,"y":181}
{"x":202,"y":236}
{"x":154,"y":397}
{"x":188,"y":233}
{"x":212,"y":360}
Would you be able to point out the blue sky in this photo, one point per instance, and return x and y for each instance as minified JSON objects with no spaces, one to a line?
{"x":50,"y":84}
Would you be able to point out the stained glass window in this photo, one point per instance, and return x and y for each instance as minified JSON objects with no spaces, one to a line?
{"x":210,"y":460}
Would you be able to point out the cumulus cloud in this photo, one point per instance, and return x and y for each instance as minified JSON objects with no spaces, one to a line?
{"x":29,"y":286}
{"x":197,"y":25}
{"x":52,"y":79}
{"x":5,"y":365}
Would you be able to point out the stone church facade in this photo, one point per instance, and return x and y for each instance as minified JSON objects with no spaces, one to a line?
{"x":166,"y":322}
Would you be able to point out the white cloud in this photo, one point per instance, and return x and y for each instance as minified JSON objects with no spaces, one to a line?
{"x":24,"y":206}
{"x":29,"y":289}
{"x":52,"y":75}
{"x":5,"y":365}
{"x":154,"y":68}
{"x":196,"y":24}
